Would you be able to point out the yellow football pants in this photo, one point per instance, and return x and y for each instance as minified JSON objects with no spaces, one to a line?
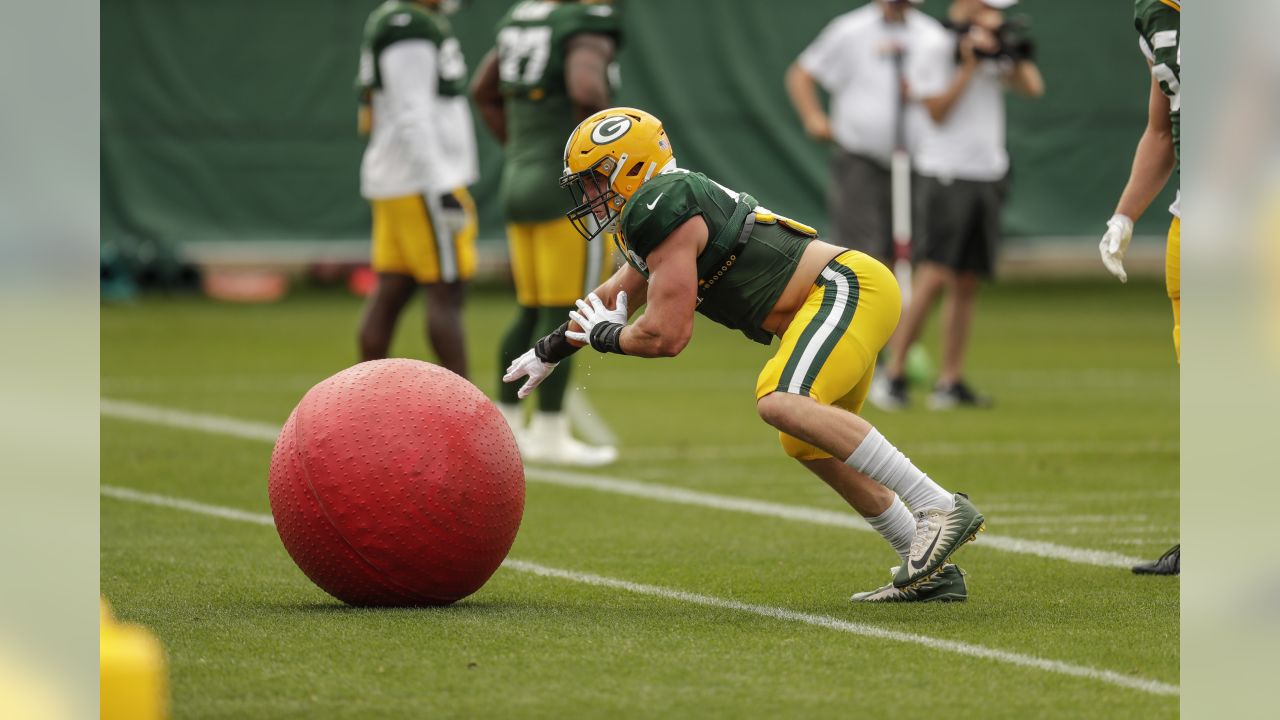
{"x":553,"y":266}
{"x":1173,"y":281}
{"x":829,"y":350}
{"x":407,"y":238}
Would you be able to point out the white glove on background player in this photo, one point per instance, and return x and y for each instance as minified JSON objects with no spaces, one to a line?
{"x":528,"y":365}
{"x":1115,"y":243}
{"x":592,"y":312}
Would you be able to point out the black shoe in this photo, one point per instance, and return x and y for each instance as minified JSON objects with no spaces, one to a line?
{"x":1169,"y":563}
{"x":889,"y":394}
{"x":957,"y":394}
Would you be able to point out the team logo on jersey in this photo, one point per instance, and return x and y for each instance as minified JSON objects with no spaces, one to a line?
{"x":610,"y":129}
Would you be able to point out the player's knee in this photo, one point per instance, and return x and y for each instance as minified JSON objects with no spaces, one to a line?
{"x":445,"y":297}
{"x":780,"y":409}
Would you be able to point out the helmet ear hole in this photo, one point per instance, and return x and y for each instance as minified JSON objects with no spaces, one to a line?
{"x":635,"y":169}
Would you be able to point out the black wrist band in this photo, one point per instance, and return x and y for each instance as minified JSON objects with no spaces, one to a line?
{"x":555,"y":347}
{"x":607,"y":337}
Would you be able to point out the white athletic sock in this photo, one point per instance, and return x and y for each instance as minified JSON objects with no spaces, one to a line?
{"x":884,"y":463}
{"x":897,"y":526}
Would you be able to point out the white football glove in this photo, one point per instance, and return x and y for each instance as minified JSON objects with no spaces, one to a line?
{"x":592,"y":312}
{"x":1115,"y":243}
{"x":528,"y":365}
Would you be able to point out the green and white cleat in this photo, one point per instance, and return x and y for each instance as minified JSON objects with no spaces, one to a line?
{"x":946,"y":585}
{"x":938,"y":535}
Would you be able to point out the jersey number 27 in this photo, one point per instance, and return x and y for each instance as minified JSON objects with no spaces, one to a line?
{"x":523,"y":54}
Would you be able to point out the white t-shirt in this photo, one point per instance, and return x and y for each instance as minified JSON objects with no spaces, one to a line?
{"x":852,"y":58}
{"x":970,"y":143}
{"x":421,"y":142}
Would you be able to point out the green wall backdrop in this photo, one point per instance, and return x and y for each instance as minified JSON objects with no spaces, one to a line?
{"x":234,"y":120}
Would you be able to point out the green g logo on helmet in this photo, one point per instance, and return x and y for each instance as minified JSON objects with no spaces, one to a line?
{"x":610,"y":129}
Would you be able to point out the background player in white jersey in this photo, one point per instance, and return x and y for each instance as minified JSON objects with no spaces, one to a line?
{"x":420,"y":158}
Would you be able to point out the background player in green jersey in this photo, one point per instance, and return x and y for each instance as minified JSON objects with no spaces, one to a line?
{"x":419,"y":161}
{"x":1155,"y":161}
{"x":548,"y":71}
{"x":692,"y":244}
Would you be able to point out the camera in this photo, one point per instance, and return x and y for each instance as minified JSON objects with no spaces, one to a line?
{"x":1013,"y":40}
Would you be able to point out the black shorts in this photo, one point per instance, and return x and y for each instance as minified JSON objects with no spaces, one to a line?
{"x":958,"y":223}
{"x":861,"y":205}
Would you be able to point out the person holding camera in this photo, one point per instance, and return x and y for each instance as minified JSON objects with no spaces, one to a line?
{"x":857,"y":59}
{"x":963,"y":165}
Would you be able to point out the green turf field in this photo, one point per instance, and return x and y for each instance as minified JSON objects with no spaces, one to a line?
{"x":734,"y":609}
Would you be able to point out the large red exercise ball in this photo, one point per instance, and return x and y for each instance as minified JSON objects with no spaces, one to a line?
{"x":397,"y":482}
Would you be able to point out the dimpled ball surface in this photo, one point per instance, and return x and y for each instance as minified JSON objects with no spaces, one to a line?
{"x":397,"y":482}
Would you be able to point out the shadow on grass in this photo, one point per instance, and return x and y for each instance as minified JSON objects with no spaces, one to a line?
{"x":465,"y":607}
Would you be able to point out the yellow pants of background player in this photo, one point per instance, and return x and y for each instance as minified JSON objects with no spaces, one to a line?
{"x":829,"y":350}
{"x":553,"y":266}
{"x":1173,"y":281}
{"x":406,"y":239}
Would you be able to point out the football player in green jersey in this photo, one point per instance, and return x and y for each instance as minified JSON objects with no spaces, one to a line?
{"x":1156,"y":160}
{"x":548,"y":71}
{"x":693,"y":245}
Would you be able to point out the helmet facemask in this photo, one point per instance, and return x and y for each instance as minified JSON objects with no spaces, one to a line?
{"x":593,"y":190}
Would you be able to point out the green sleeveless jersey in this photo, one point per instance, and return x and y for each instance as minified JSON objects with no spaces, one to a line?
{"x":397,"y":20}
{"x":540,"y":118}
{"x":1158,"y":23}
{"x":738,"y":283}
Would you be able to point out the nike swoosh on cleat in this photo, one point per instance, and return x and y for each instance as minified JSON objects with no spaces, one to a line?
{"x":654,"y":204}
{"x":924,"y":559}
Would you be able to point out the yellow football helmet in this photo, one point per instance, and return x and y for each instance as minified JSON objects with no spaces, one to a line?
{"x":608,"y":157}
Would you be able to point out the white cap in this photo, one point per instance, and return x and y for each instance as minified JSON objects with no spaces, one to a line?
{"x":1000,"y":4}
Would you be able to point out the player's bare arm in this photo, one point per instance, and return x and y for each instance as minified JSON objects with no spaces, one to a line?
{"x":624,"y":280}
{"x":667,"y":323}
{"x":1153,"y":163}
{"x":1154,"y":160}
{"x":488,"y":98}
{"x":586,"y":72}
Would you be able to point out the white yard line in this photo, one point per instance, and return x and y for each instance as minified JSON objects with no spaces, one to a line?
{"x":650,"y":491}
{"x":213,"y":424}
{"x":1069,"y":519}
{"x":1016,"y":659}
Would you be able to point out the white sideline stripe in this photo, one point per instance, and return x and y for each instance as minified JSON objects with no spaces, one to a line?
{"x":812,"y":516}
{"x":1069,"y":519}
{"x":587,"y":421}
{"x":214,"y":424}
{"x":199,"y":508}
{"x":649,"y":491}
{"x":1153,"y":687}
